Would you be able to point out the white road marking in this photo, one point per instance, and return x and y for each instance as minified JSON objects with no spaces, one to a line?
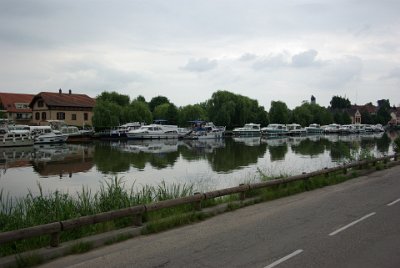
{"x":291,"y":255}
{"x":394,"y":202}
{"x":351,"y":224}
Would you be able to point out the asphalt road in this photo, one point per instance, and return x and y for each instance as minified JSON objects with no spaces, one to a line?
{"x":354,"y":224}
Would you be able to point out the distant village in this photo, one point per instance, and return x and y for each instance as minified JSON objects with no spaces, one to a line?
{"x":77,"y":109}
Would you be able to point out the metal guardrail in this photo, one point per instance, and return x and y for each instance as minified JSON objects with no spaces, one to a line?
{"x":54,"y":229}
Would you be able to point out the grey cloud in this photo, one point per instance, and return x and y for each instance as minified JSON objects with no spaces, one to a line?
{"x":200,"y":65}
{"x":338,"y":73}
{"x":270,"y":62}
{"x":393,"y":74}
{"x":247,"y":57}
{"x":305,"y":59}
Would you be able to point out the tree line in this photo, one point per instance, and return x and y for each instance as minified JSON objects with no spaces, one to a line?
{"x":227,"y":109}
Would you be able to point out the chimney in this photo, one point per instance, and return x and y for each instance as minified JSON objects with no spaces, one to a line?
{"x":60,"y":91}
{"x":70,"y":91}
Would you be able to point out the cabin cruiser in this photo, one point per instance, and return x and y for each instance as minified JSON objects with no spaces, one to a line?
{"x":314,"y":129}
{"x":275,"y":130}
{"x":15,"y":138}
{"x":205,"y":130}
{"x":249,"y":129}
{"x":154,"y":131}
{"x":347,"y":129}
{"x":295,"y":129}
{"x":45,"y":134}
{"x":73,"y":132}
{"x":332,"y":128}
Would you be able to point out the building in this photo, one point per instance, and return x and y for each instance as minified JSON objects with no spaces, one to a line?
{"x":15,"y":107}
{"x":73,"y":109}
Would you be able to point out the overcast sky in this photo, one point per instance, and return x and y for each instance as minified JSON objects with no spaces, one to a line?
{"x":186,"y":49}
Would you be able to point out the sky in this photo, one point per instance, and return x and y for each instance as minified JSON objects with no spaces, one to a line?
{"x":186,"y":50}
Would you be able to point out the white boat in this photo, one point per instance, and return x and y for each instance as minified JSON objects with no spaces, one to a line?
{"x":359,"y":128}
{"x":332,"y":128}
{"x":347,"y":129}
{"x":45,"y":134}
{"x":296,"y":129}
{"x":275,"y":130}
{"x":154,"y":131}
{"x":378,"y":128}
{"x":249,"y":129}
{"x":15,"y":138}
{"x":205,"y":130}
{"x":73,"y":132}
{"x":314,"y":129}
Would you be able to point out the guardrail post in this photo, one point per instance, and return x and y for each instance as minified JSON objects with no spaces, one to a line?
{"x":197,"y":204}
{"x":327,"y":173}
{"x":242,"y":195}
{"x":344,"y":170}
{"x":137,"y":220}
{"x":55,"y":239}
{"x":395,"y":157}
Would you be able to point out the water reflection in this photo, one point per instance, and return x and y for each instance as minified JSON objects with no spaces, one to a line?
{"x":149,"y":161}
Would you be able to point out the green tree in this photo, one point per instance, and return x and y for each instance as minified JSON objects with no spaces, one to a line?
{"x":106,"y":114}
{"x":156,"y":101}
{"x":231,"y":110}
{"x":338,"y":102}
{"x":160,"y":111}
{"x":191,"y":112}
{"x":114,"y":97}
{"x":383,"y":114}
{"x":279,"y":112}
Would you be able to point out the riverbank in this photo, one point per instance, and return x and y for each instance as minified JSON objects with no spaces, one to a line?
{"x":160,"y":220}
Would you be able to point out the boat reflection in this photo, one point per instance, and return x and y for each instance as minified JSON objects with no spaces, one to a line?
{"x":248,"y":141}
{"x":150,"y":146}
{"x":204,"y":146}
{"x":62,"y":160}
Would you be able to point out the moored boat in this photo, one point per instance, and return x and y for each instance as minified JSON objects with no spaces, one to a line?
{"x":249,"y":129}
{"x":314,"y":129}
{"x":275,"y":130}
{"x":295,"y":129}
{"x":15,"y":138}
{"x":45,"y":134}
{"x":205,"y":130}
{"x":154,"y":131}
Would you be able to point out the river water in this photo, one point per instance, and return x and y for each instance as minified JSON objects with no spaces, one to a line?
{"x":208,"y":165}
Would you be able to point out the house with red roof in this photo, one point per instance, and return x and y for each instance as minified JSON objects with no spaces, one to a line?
{"x":15,"y":107}
{"x":73,"y":109}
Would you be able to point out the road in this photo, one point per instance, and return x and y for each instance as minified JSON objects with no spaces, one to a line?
{"x":353,"y":224}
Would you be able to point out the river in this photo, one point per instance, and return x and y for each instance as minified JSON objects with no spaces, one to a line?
{"x":208,"y":164}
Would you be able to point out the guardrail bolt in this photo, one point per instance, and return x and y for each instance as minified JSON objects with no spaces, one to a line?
{"x":197,"y":204}
{"x":55,"y":239}
{"x":137,"y":220}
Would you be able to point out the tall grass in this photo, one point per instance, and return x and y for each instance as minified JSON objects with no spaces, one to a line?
{"x":31,"y":210}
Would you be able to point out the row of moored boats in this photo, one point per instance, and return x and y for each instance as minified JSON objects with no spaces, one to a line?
{"x":252,"y":129}
{"x":24,"y":135}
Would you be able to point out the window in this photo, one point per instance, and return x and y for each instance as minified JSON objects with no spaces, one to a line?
{"x":19,"y":116}
{"x":85,"y":116}
{"x":73,"y":117}
{"x":43,"y":115}
{"x":40,"y":103}
{"x":21,"y":105}
{"x":37,"y":116}
{"x":60,"y":116}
